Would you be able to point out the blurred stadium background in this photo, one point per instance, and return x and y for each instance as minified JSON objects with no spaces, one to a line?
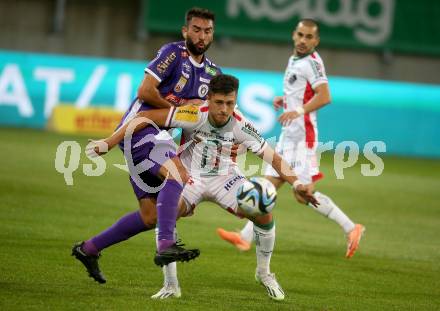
{"x":68,"y":69}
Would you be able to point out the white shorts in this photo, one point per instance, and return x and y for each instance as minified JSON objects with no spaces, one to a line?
{"x":301,"y":158}
{"x":221,"y":190}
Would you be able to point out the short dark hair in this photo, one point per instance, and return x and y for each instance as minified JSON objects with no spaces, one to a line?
{"x":198,"y":12}
{"x":310,"y":22}
{"x":223,"y":84}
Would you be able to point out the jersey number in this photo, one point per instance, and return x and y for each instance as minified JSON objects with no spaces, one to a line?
{"x":209,"y":161}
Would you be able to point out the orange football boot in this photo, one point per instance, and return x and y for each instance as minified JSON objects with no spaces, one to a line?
{"x":235,"y":239}
{"x":353,"y":239}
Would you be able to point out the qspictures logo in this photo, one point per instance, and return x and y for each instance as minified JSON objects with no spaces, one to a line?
{"x":346,"y":155}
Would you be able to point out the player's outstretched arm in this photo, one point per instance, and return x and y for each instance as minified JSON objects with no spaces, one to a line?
{"x":142,"y":120}
{"x":156,"y":117}
{"x":288,"y":175}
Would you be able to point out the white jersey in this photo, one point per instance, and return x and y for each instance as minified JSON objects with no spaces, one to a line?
{"x":206,"y":148}
{"x":302,"y":76}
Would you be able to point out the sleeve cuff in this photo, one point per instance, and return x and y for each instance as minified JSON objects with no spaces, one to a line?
{"x":149,"y":71}
{"x":263,"y":146}
{"x":319,"y":82}
{"x":170,"y":116}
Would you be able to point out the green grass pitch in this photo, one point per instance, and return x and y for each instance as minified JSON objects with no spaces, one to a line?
{"x":396,"y":268}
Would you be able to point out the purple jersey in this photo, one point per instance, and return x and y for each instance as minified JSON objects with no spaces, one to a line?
{"x":180,"y":78}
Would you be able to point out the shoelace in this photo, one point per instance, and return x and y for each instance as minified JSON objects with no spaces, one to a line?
{"x":270,"y":278}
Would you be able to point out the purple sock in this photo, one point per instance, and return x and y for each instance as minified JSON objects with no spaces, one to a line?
{"x":164,"y":244}
{"x":126,"y":227}
{"x":167,"y":210}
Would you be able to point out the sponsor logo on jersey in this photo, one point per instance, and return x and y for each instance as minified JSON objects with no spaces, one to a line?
{"x":180,"y":84}
{"x":203,"y":90}
{"x":200,"y":135}
{"x":204,"y":80}
{"x":292,"y":78}
{"x":210,"y":70}
{"x":159,"y":53}
{"x":187,"y":114}
{"x":186,"y":67}
{"x":163,"y":65}
{"x":249,"y":129}
{"x":232,"y":181}
{"x":317,"y":68}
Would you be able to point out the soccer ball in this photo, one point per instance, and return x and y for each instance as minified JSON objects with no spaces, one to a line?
{"x":257,"y":196}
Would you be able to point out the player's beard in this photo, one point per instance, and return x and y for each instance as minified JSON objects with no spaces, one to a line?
{"x":303,"y":52}
{"x":193,"y":49}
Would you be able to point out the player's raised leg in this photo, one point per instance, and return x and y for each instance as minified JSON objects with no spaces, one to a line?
{"x":241,"y":240}
{"x":330,"y":210}
{"x":167,"y":211}
{"x":326,"y":208}
{"x":89,"y":252}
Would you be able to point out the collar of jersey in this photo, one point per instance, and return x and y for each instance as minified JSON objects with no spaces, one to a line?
{"x":299,"y":57}
{"x":219,"y":127}
{"x":196,"y":64}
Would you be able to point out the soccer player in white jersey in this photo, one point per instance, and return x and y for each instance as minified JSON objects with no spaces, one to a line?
{"x":210,"y":131}
{"x":305,"y":91}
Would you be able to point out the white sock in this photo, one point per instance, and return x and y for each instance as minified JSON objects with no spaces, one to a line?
{"x":247,"y":233}
{"x":329,"y":209}
{"x":264,"y":244}
{"x":169,"y":270}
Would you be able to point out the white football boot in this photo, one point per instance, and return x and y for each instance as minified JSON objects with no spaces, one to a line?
{"x":168,"y":291}
{"x":269,"y":281}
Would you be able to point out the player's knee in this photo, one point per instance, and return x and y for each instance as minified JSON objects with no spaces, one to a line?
{"x":182,"y":172}
{"x":148,"y":212}
{"x":263,"y":219}
{"x":174,"y":169}
{"x":184,"y":210}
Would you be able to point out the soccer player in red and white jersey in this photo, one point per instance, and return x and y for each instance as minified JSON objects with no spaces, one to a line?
{"x":211,"y":130}
{"x":306,"y":90}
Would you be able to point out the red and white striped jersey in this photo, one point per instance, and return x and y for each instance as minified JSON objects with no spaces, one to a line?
{"x":302,"y":76}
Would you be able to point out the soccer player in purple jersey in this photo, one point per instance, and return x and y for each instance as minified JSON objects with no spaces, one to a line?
{"x":179,"y":74}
